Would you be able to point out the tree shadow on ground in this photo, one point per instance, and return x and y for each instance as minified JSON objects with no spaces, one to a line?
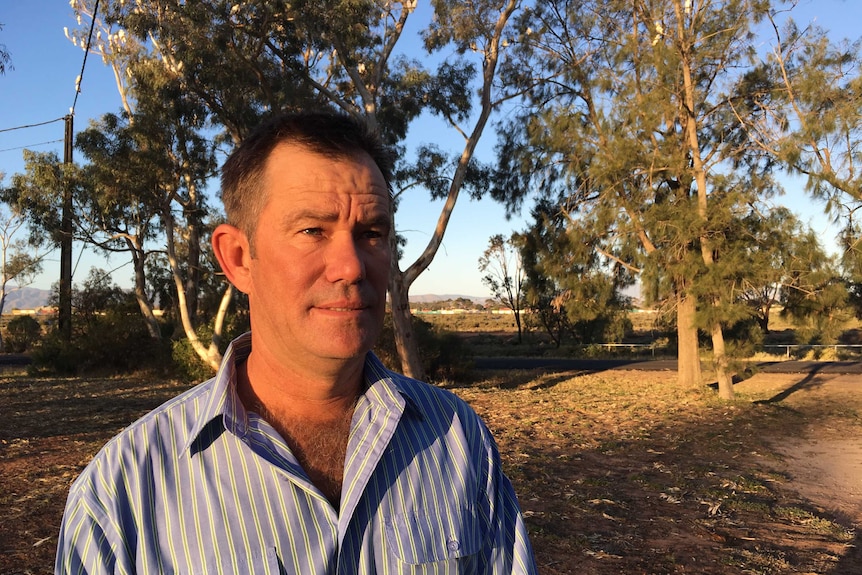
{"x":519,"y":379}
{"x":851,"y":562}
{"x":807,"y":382}
{"x":671,"y":473}
{"x":85,"y":405}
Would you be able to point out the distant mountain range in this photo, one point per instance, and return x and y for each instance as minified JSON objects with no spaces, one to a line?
{"x":26,"y":298}
{"x":428,"y":298}
{"x":31,"y":298}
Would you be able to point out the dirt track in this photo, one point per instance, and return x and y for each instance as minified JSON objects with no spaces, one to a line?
{"x":810,"y":368}
{"x":823,"y":462}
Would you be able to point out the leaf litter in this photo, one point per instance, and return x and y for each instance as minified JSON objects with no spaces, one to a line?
{"x":617,"y":472}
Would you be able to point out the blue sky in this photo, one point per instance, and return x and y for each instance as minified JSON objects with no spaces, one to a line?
{"x":40,"y":88}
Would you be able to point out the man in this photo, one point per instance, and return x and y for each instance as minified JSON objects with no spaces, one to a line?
{"x":304,"y":454}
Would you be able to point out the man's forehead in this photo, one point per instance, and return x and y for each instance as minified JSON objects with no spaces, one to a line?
{"x":297,"y":170}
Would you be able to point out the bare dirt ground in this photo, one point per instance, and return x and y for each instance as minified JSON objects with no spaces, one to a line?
{"x":824,"y":461}
{"x":626,"y":472}
{"x":617,"y":472}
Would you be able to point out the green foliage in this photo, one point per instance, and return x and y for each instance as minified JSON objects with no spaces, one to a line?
{"x":854,"y":292}
{"x":109,"y":334}
{"x":743,"y":339}
{"x":22,"y":333}
{"x":231,"y":64}
{"x":572,"y":290}
{"x":20,"y":261}
{"x":114,"y":342}
{"x":188,"y":365}
{"x":851,"y":263}
{"x":811,"y":116}
{"x":819,"y":315}
{"x":628,"y":131}
{"x":545,"y":313}
{"x":39,"y":191}
{"x":56,"y":356}
{"x":443,"y":354}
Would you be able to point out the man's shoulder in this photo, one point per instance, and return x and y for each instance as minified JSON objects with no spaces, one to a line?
{"x":187,"y":403}
{"x":174,"y":418}
{"x":429,"y":398}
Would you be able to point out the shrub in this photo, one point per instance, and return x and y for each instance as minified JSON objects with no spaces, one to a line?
{"x":54,"y":355}
{"x":443,"y":354}
{"x":188,"y":365}
{"x":22,"y":333}
{"x":112,"y":342}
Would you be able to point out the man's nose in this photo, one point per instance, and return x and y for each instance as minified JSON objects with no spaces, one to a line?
{"x":344,"y":260}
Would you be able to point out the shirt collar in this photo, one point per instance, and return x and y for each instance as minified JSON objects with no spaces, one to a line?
{"x":389,"y":386}
{"x":222,"y":402}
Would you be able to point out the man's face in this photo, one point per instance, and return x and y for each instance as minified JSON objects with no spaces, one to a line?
{"x":320,"y":263}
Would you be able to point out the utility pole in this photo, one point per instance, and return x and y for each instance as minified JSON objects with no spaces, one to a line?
{"x":64,"y":313}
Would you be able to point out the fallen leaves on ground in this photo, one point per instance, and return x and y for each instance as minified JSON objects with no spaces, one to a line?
{"x":617,"y":472}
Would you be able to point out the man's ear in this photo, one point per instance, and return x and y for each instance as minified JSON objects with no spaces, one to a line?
{"x":232,"y":249}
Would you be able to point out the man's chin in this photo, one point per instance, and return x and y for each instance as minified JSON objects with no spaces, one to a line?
{"x":347,"y":350}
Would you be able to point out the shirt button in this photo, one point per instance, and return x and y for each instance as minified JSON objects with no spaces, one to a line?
{"x":453,"y":545}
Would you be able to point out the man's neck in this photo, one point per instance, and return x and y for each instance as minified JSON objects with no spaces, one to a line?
{"x":313,"y":416}
{"x":312,"y":396}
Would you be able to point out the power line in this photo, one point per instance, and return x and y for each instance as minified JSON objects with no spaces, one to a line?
{"x":31,"y":125}
{"x":77,"y":89}
{"x":31,"y":145}
{"x":86,"y":52}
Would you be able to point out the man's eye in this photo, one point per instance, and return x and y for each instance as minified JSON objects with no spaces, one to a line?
{"x":312,"y":232}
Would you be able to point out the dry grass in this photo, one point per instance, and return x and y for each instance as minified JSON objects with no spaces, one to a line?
{"x":627,"y":472}
{"x":618,"y":472}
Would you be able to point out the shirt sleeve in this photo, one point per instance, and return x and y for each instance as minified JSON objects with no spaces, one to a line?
{"x":87,"y":542}
{"x":507,"y":549}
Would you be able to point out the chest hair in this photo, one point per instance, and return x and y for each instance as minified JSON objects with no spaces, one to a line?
{"x":321,"y":449}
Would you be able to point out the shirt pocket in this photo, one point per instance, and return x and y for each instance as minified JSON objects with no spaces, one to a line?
{"x":449,"y":537}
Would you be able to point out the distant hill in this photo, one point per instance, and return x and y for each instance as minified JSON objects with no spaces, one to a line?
{"x":30,"y":298}
{"x":26,"y":298}
{"x":428,"y":298}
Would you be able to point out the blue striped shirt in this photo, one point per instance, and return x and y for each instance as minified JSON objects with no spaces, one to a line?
{"x":199,"y":485}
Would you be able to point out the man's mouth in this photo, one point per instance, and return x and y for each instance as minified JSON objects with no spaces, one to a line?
{"x":344,"y":306}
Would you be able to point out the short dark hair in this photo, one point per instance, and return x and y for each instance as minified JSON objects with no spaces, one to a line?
{"x":327,"y":133}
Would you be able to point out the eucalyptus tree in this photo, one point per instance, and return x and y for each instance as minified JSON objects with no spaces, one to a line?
{"x":119,"y":204}
{"x":176,"y":141}
{"x":38,"y":195}
{"x":20,"y":260}
{"x":243,"y":60}
{"x":504,"y":275}
{"x":480,"y":29}
{"x":149,"y":167}
{"x":629,"y":122}
{"x":141,"y":196}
